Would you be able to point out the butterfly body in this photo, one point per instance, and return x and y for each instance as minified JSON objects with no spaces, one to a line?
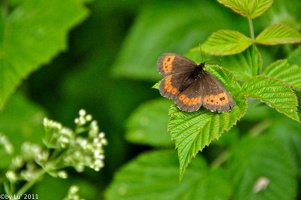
{"x":191,"y":86}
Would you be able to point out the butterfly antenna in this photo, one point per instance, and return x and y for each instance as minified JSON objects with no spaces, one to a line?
{"x":201,"y":53}
{"x":218,"y":59}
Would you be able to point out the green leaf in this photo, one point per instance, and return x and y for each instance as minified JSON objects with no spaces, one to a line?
{"x":282,"y":70}
{"x":165,"y":26}
{"x":21,"y":121}
{"x":295,"y":56}
{"x":260,"y":168}
{"x":148,"y":124}
{"x":274,"y":93}
{"x":278,"y":34}
{"x":35,"y":32}
{"x":248,"y":8}
{"x":244,"y":65}
{"x":193,"y":131}
{"x":287,"y":132}
{"x":226,"y":42}
{"x":153,"y":175}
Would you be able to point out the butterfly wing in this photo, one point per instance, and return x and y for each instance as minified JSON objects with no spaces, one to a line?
{"x":205,"y":91}
{"x":176,"y":69}
{"x":191,"y":93}
{"x":171,"y":63}
{"x":170,"y":86}
{"x":191,"y":99}
{"x":215,"y":96}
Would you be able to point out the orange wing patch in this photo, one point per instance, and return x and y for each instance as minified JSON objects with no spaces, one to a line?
{"x":220,"y":99}
{"x":190,"y":101}
{"x":167,"y":63}
{"x":168,"y":86}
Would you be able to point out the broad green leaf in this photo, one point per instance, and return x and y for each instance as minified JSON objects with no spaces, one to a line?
{"x":154,"y":175}
{"x":274,"y":93}
{"x":244,"y":65}
{"x":193,"y":131}
{"x":260,"y":168}
{"x":21,"y":121}
{"x":164,"y":27}
{"x":287,"y":132}
{"x":226,"y":42}
{"x":282,"y":70}
{"x":32,"y":34}
{"x":295,"y":56}
{"x":278,"y":34}
{"x":248,"y":8}
{"x":148,"y":124}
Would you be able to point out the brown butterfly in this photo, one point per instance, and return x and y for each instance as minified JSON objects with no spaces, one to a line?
{"x":190,"y":86}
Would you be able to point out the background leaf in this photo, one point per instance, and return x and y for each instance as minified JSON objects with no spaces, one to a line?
{"x":153,"y":175}
{"x":226,"y":42}
{"x":274,"y":93}
{"x":282,"y":70}
{"x":248,"y":8}
{"x":295,"y":56}
{"x":193,"y":131}
{"x":262,"y":158}
{"x":278,"y":34}
{"x":188,"y":23}
{"x":148,"y":124}
{"x":34,"y":32}
{"x":244,"y":65}
{"x":287,"y":133}
{"x":21,"y":120}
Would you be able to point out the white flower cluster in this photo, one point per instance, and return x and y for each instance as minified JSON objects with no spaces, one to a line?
{"x":73,"y":193}
{"x":64,"y":148}
{"x":87,"y":151}
{"x":5,"y":143}
{"x":84,"y":146}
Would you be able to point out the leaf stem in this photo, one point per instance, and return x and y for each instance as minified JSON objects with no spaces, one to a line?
{"x":220,"y":159}
{"x":29,"y":184}
{"x":251,"y":29}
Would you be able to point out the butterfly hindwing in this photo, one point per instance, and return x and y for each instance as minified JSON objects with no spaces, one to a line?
{"x":215,"y":96}
{"x":191,"y":99}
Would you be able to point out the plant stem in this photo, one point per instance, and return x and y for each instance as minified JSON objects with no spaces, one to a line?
{"x":220,"y":159}
{"x":251,"y":29}
{"x":29,"y":184}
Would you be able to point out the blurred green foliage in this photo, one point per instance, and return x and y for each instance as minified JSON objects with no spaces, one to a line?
{"x":109,"y":67}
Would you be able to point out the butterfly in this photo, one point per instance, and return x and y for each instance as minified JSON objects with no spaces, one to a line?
{"x":190,"y":86}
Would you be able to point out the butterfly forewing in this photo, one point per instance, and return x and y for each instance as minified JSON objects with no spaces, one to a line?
{"x":170,"y":86}
{"x":171,"y":63}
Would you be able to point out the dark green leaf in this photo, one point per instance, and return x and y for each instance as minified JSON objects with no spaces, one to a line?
{"x":162,"y":27}
{"x":226,"y":42}
{"x":287,"y":132}
{"x":154,"y":175}
{"x":193,"y":131}
{"x":21,"y":121}
{"x":260,"y":168}
{"x":295,"y":56}
{"x":35,"y":31}
{"x":274,"y":93}
{"x":148,"y":124}
{"x":282,"y":70}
